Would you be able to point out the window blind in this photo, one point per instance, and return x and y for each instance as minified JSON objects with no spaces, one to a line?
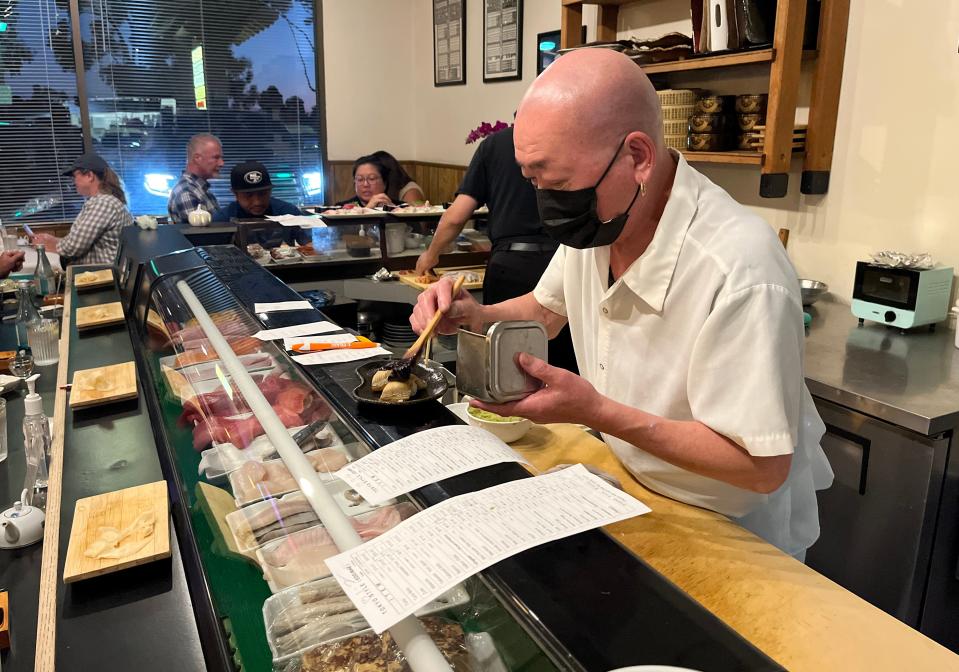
{"x":244,"y":70}
{"x":40,"y":133}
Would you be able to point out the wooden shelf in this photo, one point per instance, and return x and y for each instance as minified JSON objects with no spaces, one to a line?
{"x":741,"y":158}
{"x":718,"y":61}
{"x":783,"y":59}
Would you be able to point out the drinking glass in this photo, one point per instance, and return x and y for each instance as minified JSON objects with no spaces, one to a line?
{"x":43,"y":337}
{"x":22,"y":364}
{"x":3,"y":429}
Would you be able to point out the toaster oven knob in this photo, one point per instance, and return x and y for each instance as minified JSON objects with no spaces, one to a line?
{"x":890,"y":316}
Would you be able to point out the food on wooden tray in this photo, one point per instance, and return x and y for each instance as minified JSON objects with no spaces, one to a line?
{"x":369,"y":652}
{"x":469,"y":277}
{"x":111,"y":543}
{"x":427,"y":279}
{"x":256,"y":480}
{"x":302,"y":556}
{"x":89,"y":277}
{"x":489,"y":416}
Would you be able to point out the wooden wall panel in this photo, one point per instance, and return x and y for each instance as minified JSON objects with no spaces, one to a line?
{"x":439,"y":180}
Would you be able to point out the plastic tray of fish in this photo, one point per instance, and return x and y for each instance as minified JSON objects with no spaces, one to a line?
{"x":223,"y":458}
{"x":302,"y":556}
{"x":258,"y":524}
{"x":255,"y":480}
{"x":319,"y":612}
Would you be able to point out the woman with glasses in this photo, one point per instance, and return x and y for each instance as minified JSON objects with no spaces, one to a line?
{"x":370,"y":177}
{"x":400,"y":185}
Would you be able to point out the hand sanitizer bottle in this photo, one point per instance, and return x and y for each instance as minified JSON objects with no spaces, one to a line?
{"x":36,"y":438}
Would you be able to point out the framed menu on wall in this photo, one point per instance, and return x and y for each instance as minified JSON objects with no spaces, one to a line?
{"x":449,"y":42}
{"x":502,"y":40}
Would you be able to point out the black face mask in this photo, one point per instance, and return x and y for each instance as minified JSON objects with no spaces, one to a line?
{"x":569,"y":217}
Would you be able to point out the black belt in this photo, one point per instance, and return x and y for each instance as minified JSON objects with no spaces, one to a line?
{"x":526,"y":247}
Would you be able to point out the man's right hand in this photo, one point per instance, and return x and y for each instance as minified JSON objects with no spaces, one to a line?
{"x":426,"y":263}
{"x":462,"y":309}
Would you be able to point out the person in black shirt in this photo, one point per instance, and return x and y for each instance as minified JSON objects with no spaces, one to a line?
{"x":521,"y":250}
{"x":251,"y":184}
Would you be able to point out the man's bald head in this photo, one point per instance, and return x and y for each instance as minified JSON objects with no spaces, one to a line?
{"x":585,"y":101}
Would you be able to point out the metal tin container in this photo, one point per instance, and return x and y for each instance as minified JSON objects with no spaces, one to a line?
{"x":485,"y":363}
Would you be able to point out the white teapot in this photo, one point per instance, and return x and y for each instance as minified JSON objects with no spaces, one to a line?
{"x":199,"y":217}
{"x":21,"y":525}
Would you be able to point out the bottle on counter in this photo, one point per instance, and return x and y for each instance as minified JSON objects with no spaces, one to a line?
{"x":43,"y":275}
{"x":27,"y":315}
{"x":36,"y":438}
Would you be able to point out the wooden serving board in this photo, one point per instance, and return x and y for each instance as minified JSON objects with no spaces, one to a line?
{"x":90,"y":279}
{"x":92,"y":387}
{"x":120,"y":510}
{"x":102,"y":315}
{"x":410,"y":278}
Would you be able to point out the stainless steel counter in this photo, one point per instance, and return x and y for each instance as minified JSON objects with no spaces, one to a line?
{"x":910,"y":380}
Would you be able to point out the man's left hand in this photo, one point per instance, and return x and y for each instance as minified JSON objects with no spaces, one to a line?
{"x":45,"y":239}
{"x":565,"y":397}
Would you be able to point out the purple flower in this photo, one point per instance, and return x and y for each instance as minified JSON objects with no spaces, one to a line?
{"x":485,"y":129}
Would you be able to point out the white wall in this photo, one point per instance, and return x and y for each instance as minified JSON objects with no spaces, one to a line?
{"x":894,"y":177}
{"x":368,"y":63}
{"x":445,"y":115}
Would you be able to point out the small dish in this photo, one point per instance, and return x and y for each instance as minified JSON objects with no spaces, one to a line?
{"x":505,"y":430}
{"x":432,"y":374}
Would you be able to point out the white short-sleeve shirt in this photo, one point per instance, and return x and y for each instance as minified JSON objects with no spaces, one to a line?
{"x":706,"y":325}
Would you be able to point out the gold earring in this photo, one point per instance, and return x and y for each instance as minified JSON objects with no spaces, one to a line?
{"x":642,"y":188}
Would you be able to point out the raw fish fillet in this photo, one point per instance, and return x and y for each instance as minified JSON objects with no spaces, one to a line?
{"x":256,"y":480}
{"x":302,"y":556}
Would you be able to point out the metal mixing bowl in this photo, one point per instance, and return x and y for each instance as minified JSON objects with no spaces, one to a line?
{"x":812,"y":291}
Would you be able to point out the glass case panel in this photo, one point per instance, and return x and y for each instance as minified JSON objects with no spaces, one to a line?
{"x":262,"y":547}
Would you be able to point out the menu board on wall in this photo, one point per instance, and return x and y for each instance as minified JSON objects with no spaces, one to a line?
{"x":449,"y":42}
{"x":502,"y":40}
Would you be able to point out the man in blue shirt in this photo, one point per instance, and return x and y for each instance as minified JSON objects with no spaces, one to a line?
{"x":251,"y":184}
{"x":204,"y":155}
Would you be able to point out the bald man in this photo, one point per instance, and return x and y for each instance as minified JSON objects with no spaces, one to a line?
{"x":684,"y":309}
{"x":204,"y":159}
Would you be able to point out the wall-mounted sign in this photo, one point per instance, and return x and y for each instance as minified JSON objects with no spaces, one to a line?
{"x":199,"y":82}
{"x":502,"y":40}
{"x":449,"y":42}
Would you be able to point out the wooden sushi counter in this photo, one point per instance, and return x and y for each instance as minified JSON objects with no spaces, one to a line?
{"x":679,"y":586}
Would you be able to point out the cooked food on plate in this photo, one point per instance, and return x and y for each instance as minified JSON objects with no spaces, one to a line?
{"x":396,"y":382}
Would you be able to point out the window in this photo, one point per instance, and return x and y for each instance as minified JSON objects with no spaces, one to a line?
{"x":157,"y":73}
{"x":40,"y":132}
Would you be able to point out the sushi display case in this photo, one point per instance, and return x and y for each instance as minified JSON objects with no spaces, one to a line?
{"x":254,"y":550}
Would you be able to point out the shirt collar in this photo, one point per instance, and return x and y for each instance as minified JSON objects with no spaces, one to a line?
{"x":649,"y":276}
{"x":196,"y":179}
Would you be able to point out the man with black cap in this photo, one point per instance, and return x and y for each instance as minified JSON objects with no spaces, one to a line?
{"x":250,"y":183}
{"x":94,"y":236}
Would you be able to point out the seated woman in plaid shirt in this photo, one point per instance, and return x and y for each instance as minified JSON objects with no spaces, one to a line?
{"x":95,"y":234}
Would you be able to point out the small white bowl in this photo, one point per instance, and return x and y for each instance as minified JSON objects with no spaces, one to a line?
{"x":507,"y":432}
